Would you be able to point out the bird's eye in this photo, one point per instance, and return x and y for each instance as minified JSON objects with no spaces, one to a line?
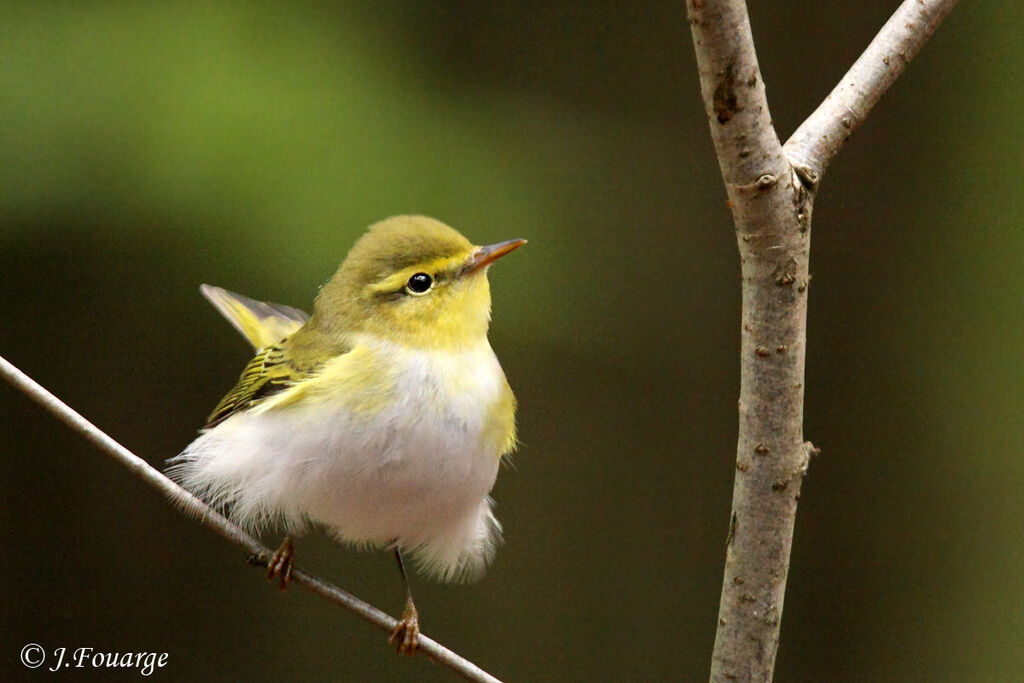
{"x":420,"y":283}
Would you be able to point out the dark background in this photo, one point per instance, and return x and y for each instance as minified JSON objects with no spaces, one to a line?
{"x":146,"y":148}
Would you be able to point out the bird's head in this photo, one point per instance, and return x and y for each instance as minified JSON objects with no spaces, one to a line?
{"x":415,"y":281}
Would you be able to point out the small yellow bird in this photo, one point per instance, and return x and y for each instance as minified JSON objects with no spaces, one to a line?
{"x":382,"y":417}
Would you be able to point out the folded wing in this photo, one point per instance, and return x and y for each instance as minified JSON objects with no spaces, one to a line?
{"x":267,"y":327}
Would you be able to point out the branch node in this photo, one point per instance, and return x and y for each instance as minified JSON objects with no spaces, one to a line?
{"x":812,"y":452}
{"x":784,"y":276}
{"x":809,"y":178}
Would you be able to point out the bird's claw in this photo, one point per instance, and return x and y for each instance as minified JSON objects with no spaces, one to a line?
{"x":406,"y":635}
{"x":280,"y":565}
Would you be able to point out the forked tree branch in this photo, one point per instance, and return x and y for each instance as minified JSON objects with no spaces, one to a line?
{"x":771,"y":193}
{"x":209,"y":517}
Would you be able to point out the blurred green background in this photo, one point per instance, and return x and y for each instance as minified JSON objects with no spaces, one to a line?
{"x":148,"y":147}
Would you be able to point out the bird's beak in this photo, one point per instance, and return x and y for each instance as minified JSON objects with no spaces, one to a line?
{"x":485,"y":256}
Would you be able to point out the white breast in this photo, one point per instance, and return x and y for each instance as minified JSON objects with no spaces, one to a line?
{"x":417,"y":471}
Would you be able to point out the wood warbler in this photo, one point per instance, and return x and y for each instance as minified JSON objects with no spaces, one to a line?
{"x":382,"y":417}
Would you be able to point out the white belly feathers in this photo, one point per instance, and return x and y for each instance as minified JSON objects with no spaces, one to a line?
{"x":414,"y":470}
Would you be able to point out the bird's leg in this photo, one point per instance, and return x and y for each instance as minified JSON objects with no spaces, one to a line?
{"x":406,"y":635}
{"x":280,"y":565}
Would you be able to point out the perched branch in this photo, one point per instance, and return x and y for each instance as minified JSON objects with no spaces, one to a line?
{"x":209,"y":517}
{"x":771,"y":200}
{"x":817,"y":140}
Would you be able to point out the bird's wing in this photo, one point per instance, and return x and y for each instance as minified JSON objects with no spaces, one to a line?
{"x":271,"y":371}
{"x":263,"y":324}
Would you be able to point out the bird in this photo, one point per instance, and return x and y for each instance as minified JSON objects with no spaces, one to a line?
{"x":381,"y":418}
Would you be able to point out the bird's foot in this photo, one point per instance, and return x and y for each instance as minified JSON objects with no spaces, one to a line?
{"x":406,"y":635}
{"x":280,"y":565}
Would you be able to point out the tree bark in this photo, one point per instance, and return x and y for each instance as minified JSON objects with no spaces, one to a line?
{"x":771,"y":193}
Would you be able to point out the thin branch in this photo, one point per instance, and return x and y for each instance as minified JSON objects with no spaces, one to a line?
{"x":209,"y":517}
{"x":816,"y":141}
{"x":771,"y":198}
